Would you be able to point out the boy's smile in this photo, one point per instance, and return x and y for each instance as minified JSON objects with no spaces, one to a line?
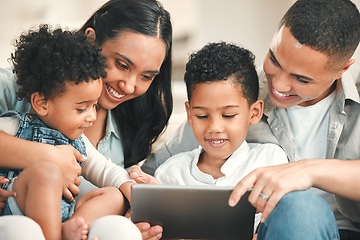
{"x":220,"y":117}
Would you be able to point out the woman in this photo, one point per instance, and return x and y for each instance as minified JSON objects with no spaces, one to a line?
{"x":136,"y":102}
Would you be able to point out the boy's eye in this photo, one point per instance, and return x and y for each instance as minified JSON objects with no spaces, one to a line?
{"x":202,"y":116}
{"x":228,"y":115}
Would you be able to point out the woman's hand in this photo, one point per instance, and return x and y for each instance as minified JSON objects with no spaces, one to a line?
{"x":147,"y":232}
{"x":67,"y":157}
{"x":139,"y":176}
{"x":4,"y":194}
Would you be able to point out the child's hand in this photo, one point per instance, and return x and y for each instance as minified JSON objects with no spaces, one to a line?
{"x":139,"y":176}
{"x":4,"y":194}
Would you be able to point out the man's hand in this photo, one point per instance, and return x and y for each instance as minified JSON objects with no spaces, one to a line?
{"x":270,"y":184}
{"x":139,"y":176}
{"x":4,"y":194}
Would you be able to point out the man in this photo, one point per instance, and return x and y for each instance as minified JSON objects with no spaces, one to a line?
{"x":312,"y":109}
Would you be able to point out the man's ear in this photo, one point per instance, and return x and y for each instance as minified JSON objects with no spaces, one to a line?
{"x":188,"y":112}
{"x":256,"y":111}
{"x":90,"y":34}
{"x":39,"y":103}
{"x":345,"y":68}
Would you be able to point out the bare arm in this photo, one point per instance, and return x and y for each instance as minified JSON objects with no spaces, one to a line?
{"x":19,"y":153}
{"x":335,"y":176}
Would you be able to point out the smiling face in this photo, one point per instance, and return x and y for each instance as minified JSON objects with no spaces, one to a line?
{"x":220,"y":117}
{"x":297,"y":74}
{"x":72,"y":111}
{"x":133,"y":61}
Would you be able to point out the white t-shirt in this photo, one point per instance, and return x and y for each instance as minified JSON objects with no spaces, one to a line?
{"x":309,"y":126}
{"x":99,"y":170}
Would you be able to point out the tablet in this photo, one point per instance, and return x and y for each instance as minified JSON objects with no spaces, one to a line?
{"x":193,"y":212}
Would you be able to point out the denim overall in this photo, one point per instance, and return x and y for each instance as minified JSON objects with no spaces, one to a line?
{"x":33,"y":129}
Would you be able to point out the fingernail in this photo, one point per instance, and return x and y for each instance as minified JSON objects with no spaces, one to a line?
{"x":84,"y":157}
{"x":231,"y":202}
{"x":262,"y":220}
{"x":146,"y":227}
{"x":158,"y":230}
{"x":159,"y":236}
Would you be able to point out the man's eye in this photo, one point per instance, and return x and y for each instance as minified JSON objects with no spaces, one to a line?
{"x":301,"y":80}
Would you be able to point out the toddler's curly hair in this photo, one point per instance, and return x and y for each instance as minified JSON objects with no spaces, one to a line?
{"x":45,"y":59}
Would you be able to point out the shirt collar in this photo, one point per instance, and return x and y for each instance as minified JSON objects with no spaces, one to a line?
{"x":111,"y":126}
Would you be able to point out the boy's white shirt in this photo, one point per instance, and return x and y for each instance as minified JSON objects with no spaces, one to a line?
{"x":182,"y":169}
{"x":98,"y":169}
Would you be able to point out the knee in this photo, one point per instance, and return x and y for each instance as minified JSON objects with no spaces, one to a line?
{"x":29,"y":229}
{"x":300,"y":215}
{"x":44,"y":172}
{"x":114,"y":227}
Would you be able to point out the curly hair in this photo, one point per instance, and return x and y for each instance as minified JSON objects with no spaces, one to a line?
{"x":328,"y":26}
{"x":220,"y":62}
{"x":44,"y":60}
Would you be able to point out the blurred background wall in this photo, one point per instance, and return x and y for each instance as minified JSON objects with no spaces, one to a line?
{"x":250,"y":23}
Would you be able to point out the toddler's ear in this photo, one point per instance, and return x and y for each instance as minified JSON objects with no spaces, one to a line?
{"x":188,"y":112}
{"x":256,"y":111}
{"x":39,"y":103}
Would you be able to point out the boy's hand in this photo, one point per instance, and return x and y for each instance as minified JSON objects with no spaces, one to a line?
{"x":4,"y":194}
{"x":139,"y":176}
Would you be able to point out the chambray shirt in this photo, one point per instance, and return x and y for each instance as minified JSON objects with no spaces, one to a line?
{"x":343,"y":139}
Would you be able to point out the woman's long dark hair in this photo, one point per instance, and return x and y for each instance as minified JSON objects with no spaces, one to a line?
{"x":141,"y":120}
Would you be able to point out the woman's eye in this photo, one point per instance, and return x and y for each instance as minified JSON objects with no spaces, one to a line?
{"x":121,"y":65}
{"x":148,"y":78}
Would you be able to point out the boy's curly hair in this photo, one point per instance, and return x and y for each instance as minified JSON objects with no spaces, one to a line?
{"x":44,"y":60}
{"x":223,"y":61}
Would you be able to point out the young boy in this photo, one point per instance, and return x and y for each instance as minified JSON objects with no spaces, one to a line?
{"x":222,"y":88}
{"x":60,"y":73}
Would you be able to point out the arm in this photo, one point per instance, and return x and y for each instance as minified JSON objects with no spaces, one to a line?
{"x":336,"y":176}
{"x":102,"y":172}
{"x":19,"y":153}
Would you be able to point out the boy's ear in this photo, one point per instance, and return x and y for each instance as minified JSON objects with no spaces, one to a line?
{"x":188,"y":113}
{"x":90,"y":34}
{"x":256,"y":111}
{"x":39,"y":103}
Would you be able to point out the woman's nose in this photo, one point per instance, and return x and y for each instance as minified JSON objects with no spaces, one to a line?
{"x":128,"y":85}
